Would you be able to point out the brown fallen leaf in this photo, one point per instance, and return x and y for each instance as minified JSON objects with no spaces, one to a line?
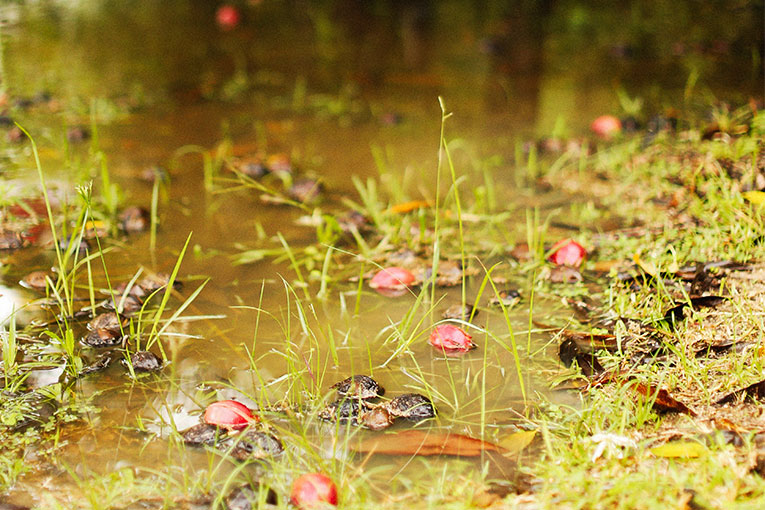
{"x":754,"y":391}
{"x":663,"y":401}
{"x":568,"y":351}
{"x":591,"y":341}
{"x":418,"y":442}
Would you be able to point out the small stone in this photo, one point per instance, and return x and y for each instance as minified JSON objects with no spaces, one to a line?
{"x":253,"y":445}
{"x":378,"y":418}
{"x":344,"y":410}
{"x":249,"y":497}
{"x":460,"y":312}
{"x":253,"y":167}
{"x":508,"y":297}
{"x":107,"y":320}
{"x":100,"y":338}
{"x":36,"y":280}
{"x":82,"y":248}
{"x":101,"y":363}
{"x":144,"y":361}
{"x":202,"y":434}
{"x":77,"y":134}
{"x":305,"y":191}
{"x":359,"y":386}
{"x":134,"y":219}
{"x":10,"y":240}
{"x":412,"y":407}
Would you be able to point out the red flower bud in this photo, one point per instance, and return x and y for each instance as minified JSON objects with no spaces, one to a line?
{"x":450,"y":339}
{"x":568,"y":253}
{"x":312,"y":490}
{"x":606,"y":126}
{"x":227,"y":17}
{"x":229,"y":414}
{"x":392,"y":278}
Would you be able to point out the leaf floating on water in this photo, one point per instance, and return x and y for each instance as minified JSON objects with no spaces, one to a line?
{"x":417,"y":442}
{"x":754,"y":391}
{"x":680,"y":450}
{"x":515,"y":443}
{"x":663,"y":401}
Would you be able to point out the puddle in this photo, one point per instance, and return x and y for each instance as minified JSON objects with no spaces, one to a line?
{"x":349,"y":90}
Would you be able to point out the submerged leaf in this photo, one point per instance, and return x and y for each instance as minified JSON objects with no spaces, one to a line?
{"x":516,"y":442}
{"x":417,"y":442}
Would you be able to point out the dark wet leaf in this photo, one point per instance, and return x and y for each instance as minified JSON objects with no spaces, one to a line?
{"x":754,"y":392}
{"x":662,"y":400}
{"x":418,"y":442}
{"x":588,"y":363}
{"x":585,"y":308}
{"x":677,"y":312}
{"x":722,"y":348}
{"x":588,"y":342}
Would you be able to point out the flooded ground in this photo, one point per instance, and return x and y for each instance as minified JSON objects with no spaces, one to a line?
{"x":340,"y":89}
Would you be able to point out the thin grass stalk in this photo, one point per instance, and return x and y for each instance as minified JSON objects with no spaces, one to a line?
{"x":48,"y":208}
{"x":166,"y":298}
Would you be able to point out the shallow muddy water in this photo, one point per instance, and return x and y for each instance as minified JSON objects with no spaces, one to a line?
{"x":345,"y":89}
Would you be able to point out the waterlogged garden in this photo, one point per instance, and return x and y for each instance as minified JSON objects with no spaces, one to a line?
{"x":383,"y":254}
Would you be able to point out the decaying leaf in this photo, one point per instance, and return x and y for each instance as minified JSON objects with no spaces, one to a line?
{"x":680,"y":449}
{"x":418,"y":442}
{"x":663,"y":401}
{"x":591,"y":341}
{"x":754,"y":391}
{"x":676,"y":313}
{"x":568,"y":351}
{"x":516,"y":442}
